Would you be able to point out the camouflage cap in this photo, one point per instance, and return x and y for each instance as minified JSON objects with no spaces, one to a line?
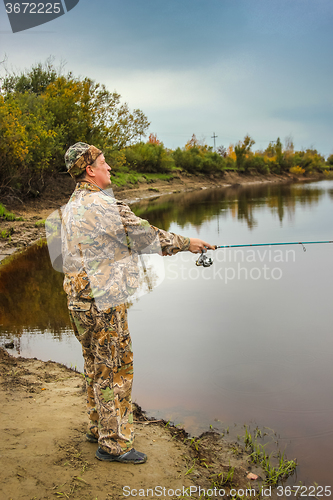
{"x":79,"y":156}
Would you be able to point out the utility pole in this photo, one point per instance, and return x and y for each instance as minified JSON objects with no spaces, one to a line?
{"x":214,"y":137}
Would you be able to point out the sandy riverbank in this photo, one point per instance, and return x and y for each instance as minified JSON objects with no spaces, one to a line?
{"x":44,"y":453}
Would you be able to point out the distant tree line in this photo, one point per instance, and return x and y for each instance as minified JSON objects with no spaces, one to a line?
{"x":43,"y":112}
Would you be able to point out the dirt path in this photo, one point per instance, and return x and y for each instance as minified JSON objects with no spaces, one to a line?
{"x":44,"y":453}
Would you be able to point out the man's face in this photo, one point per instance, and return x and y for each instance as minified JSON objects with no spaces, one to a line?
{"x":101,"y":172}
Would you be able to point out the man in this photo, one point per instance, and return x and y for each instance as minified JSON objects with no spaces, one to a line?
{"x":102,"y":243}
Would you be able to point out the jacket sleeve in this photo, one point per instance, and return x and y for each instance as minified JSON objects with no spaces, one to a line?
{"x":141,"y":234}
{"x":172,"y":243}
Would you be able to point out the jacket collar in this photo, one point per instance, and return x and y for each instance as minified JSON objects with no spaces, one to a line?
{"x":87,"y":186}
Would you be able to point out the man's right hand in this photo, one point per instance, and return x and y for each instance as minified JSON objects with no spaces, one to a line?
{"x":197,"y":245}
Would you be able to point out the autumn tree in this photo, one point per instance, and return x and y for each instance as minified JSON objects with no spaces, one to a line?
{"x":242,"y":152}
{"x":86,"y":111}
{"x":309,"y":160}
{"x":35,"y":81}
{"x":195,"y":143}
{"x":28,"y":144}
{"x":192,"y":143}
{"x":13,"y":144}
{"x":198,"y":157}
{"x":153,"y":139}
{"x":231,"y":152}
{"x":148,"y":157}
{"x":44,"y":112}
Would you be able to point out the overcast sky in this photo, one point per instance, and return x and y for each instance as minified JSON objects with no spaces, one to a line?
{"x":233,"y":67}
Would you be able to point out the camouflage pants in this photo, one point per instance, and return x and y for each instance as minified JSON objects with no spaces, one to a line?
{"x":108,"y":368}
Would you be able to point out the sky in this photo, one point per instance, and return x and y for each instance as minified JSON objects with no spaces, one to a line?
{"x":229,"y":67}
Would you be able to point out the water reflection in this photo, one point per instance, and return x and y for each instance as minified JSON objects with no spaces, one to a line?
{"x":31,"y":294}
{"x":241,"y":202}
{"x":32,"y":298}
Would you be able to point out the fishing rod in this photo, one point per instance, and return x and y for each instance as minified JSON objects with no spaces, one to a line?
{"x":206,"y":261}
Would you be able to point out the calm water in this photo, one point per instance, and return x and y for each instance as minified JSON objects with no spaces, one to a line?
{"x":246,"y":341}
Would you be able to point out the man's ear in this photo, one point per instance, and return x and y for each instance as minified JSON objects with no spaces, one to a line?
{"x":90,"y":171}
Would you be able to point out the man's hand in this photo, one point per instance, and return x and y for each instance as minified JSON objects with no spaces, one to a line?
{"x":197,"y":246}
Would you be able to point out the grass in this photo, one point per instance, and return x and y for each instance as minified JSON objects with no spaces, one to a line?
{"x":196,"y":443}
{"x":274,"y":473}
{"x":124,"y":176}
{"x":191,"y":469}
{"x":223,"y":479}
{"x":40,"y":223}
{"x":4,"y":214}
{"x":230,"y":168}
{"x":7,"y":233}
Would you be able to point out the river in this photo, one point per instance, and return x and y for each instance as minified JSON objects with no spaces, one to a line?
{"x":245,"y":341}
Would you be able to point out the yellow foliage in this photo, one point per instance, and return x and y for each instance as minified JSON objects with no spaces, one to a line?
{"x":192,"y":143}
{"x":231,"y":152}
{"x":13,"y":135}
{"x":195,"y":143}
{"x":297,"y":170}
{"x":272,"y":159}
{"x":118,"y":159}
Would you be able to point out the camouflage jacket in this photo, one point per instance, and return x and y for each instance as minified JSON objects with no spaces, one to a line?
{"x":103,"y":242}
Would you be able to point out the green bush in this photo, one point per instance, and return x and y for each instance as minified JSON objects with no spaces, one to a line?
{"x":195,"y":160}
{"x":329,"y":161}
{"x":258,"y":163}
{"x":309,"y":160}
{"x":148,"y":157}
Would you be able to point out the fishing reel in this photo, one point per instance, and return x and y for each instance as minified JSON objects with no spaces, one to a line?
{"x":204,"y":260}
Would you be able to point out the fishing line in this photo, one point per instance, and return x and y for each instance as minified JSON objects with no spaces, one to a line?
{"x":206,"y":261}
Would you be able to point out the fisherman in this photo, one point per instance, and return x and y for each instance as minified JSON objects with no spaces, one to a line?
{"x":102,"y":244}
